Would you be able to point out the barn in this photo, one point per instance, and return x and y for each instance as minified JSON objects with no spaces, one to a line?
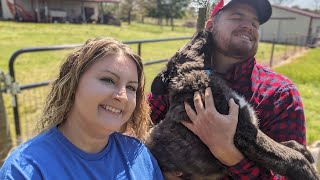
{"x":291,"y":25}
{"x":73,"y":11}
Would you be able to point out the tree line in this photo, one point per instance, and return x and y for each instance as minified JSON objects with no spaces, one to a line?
{"x":162,"y":10}
{"x":166,"y":11}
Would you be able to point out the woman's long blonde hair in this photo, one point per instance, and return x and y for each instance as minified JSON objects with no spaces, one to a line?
{"x":62,"y":94}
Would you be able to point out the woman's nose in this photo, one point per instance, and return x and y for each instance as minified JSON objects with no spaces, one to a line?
{"x":120,"y":94}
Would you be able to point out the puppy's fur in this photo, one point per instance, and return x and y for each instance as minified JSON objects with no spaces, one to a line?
{"x":177,"y":149}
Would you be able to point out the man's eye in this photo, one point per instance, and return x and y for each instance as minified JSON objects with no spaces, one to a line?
{"x":132,"y":88}
{"x":256,"y":25}
{"x":236,"y":17}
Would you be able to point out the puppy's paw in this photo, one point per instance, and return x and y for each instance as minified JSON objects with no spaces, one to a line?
{"x":300,"y":148}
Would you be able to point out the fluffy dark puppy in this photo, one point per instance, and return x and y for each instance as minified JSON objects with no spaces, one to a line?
{"x":177,"y":149}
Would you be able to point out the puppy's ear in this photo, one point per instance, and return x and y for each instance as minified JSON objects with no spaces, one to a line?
{"x":200,"y":49}
{"x":160,"y":83}
{"x":192,"y":51}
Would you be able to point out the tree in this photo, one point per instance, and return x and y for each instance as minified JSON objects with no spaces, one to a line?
{"x":144,"y":6}
{"x":127,"y":7}
{"x":316,"y":3}
{"x":176,"y":9}
{"x":169,"y":9}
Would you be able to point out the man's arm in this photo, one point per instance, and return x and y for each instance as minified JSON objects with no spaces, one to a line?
{"x":286,"y":123}
{"x":214,"y":129}
{"x":287,"y":120}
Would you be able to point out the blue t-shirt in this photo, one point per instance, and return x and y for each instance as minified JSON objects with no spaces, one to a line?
{"x":51,"y":155}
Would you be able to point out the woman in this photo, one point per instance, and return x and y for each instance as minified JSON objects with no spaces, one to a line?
{"x":96,"y":99}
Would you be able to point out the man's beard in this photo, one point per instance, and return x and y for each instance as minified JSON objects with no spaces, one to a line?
{"x":233,"y":50}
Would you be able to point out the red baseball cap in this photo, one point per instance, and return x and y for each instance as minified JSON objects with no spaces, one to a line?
{"x":262,"y":7}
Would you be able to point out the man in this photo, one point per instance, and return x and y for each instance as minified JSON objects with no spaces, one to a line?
{"x":235,"y":29}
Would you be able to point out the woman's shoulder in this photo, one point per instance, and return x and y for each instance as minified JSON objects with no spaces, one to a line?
{"x":26,"y":157}
{"x":127,"y":140}
{"x":137,"y":155}
{"x":34,"y":147}
{"x":130,"y":145}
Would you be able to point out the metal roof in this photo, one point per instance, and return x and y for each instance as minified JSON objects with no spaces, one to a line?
{"x":111,"y":1}
{"x":299,"y":11}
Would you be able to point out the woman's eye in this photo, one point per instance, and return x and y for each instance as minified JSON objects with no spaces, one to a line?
{"x":108,"y":80}
{"x":131,"y":88}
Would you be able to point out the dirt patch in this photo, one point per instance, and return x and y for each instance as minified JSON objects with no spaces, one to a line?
{"x":288,"y":60}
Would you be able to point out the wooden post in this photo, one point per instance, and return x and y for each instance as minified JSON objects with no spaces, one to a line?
{"x":272,"y":49}
{"x":286,"y":46}
{"x":84,"y":20}
{"x":296,"y":43}
{"x":202,"y":17}
{"x":5,"y":138}
{"x":38,"y":11}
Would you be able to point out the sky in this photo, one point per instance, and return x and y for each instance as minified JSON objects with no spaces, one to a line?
{"x":310,"y":4}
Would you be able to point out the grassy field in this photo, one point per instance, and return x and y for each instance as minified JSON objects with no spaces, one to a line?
{"x":42,"y":66}
{"x":33,"y":67}
{"x":304,"y":72}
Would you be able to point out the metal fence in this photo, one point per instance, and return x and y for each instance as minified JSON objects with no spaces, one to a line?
{"x":27,"y":100}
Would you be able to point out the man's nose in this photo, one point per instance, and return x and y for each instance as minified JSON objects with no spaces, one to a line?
{"x":248,"y":25}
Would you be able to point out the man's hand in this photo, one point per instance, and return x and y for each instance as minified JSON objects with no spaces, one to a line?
{"x":214,"y":129}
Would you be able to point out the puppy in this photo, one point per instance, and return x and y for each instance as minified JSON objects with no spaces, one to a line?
{"x":179,"y":151}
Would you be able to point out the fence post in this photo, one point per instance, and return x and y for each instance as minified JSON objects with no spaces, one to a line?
{"x":303,"y":43}
{"x":296,"y":43}
{"x":139,"y":49}
{"x":5,"y":138}
{"x":272,"y":49}
{"x":286,"y":46}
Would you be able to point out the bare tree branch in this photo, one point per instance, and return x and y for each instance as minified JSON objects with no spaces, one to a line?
{"x":316,"y":4}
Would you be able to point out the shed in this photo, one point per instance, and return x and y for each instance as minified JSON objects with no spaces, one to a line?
{"x":52,"y":10}
{"x":291,"y":25}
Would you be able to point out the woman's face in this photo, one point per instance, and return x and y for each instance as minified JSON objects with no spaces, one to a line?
{"x":106,"y":95}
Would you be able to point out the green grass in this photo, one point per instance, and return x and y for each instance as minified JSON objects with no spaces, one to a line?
{"x":42,"y":66}
{"x":14,"y":36}
{"x":33,"y":67}
{"x":304,"y":72}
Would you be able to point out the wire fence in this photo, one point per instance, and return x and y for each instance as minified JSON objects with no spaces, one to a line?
{"x":21,"y":104}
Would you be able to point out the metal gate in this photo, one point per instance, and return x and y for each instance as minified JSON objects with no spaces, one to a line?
{"x":28,"y":99}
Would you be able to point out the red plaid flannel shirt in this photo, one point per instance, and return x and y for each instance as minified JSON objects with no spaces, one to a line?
{"x":276,"y":101}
